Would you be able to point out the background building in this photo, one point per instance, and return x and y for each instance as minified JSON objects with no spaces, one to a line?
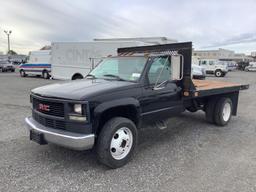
{"x":221,"y":54}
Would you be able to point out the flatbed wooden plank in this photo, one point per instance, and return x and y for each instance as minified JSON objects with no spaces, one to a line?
{"x":202,"y":85}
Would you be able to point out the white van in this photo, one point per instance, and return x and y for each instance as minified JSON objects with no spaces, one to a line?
{"x":74,"y":60}
{"x":38,"y":64}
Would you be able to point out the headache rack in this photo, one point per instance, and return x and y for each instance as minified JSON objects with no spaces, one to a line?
{"x":184,"y":49}
{"x":191,"y":88}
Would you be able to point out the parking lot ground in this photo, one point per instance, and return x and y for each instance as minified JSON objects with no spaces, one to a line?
{"x":190,"y":155}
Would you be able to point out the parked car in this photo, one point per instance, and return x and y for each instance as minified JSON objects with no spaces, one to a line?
{"x":251,"y":67}
{"x":198,"y":72}
{"x":123,"y":94}
{"x":5,"y":66}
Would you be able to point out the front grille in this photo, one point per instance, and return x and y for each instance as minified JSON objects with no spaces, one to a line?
{"x":48,"y":108}
{"x":51,"y":123}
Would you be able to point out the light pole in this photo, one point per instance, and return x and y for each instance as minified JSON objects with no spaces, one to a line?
{"x":8,"y":33}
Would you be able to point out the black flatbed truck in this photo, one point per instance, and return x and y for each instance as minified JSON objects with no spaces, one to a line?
{"x":142,"y":85}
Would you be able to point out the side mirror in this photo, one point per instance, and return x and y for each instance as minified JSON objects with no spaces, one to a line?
{"x":177,"y":63}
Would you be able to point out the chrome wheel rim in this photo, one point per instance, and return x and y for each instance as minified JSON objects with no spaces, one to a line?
{"x":218,"y":73}
{"x":226,"y":111}
{"x":121,"y":143}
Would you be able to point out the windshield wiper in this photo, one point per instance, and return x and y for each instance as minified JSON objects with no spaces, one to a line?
{"x":91,"y":76}
{"x":114,"y":76}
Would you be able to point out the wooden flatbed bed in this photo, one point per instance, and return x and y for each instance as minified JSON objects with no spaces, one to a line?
{"x":208,"y":87}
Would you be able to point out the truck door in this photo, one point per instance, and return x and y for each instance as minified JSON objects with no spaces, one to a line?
{"x":161,"y":95}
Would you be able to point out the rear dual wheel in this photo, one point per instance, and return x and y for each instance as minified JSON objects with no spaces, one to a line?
{"x":22,"y":73}
{"x":219,"y":111}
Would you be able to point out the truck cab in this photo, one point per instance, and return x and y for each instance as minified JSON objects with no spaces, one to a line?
{"x":139,"y":86}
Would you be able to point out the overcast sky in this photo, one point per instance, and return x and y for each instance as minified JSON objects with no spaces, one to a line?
{"x":209,"y":24}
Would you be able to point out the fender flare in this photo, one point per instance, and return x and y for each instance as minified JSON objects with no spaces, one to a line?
{"x":101,"y":108}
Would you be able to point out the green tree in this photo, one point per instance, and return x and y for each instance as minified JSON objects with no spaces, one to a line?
{"x":11,"y":52}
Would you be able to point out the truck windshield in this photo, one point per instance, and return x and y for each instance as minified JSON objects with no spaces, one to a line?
{"x":119,"y":68}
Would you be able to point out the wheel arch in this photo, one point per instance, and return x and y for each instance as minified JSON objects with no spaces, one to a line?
{"x":77,"y":74}
{"x":127,"y":107}
{"x":45,"y":70}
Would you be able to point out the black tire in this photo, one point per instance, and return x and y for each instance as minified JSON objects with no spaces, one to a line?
{"x":45,"y":75}
{"x":104,"y":141}
{"x":209,"y":110}
{"x":13,"y":70}
{"x":219,"y":111}
{"x":218,"y":73}
{"x":22,"y":73}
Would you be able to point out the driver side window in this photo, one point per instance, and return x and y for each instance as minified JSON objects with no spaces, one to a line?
{"x":160,"y":70}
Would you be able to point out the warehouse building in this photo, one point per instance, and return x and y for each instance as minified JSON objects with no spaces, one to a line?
{"x":221,"y":54}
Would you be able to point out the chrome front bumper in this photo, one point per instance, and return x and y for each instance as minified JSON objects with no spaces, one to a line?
{"x":63,"y":138}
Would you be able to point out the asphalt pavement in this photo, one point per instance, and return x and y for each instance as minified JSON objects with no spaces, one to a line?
{"x":190,"y":155}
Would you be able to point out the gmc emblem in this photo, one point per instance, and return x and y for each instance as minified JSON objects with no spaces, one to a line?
{"x":43,"y":107}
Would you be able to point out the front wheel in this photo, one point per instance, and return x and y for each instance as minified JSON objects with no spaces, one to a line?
{"x":116,"y":142}
{"x":22,"y":73}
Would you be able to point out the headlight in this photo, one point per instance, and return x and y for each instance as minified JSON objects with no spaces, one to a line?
{"x":78,"y":108}
{"x":78,"y":112}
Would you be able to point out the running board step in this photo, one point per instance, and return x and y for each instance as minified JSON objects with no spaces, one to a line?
{"x":163,"y":124}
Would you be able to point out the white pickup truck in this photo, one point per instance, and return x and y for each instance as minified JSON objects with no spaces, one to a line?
{"x":214,"y":67}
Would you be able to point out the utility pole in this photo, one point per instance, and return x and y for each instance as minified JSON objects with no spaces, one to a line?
{"x":8,"y":33}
